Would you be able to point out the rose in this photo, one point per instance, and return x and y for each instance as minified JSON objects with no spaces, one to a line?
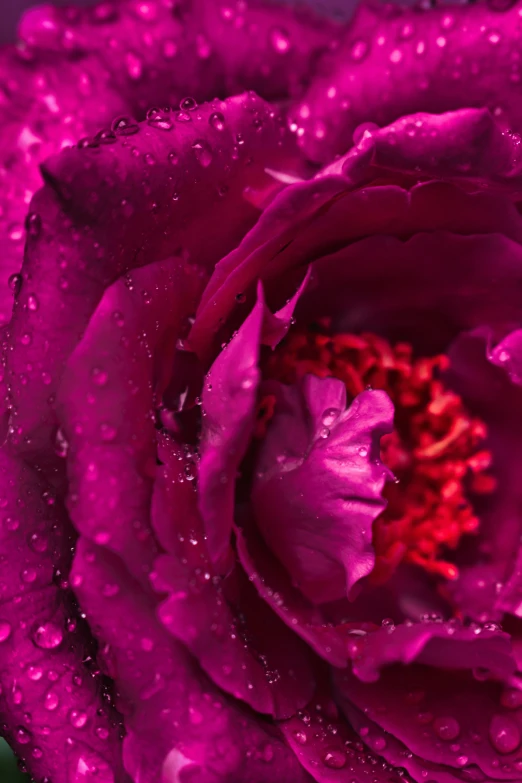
{"x":248,"y":610}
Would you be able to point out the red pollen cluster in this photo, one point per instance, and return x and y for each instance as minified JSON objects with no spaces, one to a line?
{"x":434,"y":451}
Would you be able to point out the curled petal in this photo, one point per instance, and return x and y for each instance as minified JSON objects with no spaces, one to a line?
{"x":229,"y":403}
{"x":319,"y":481}
{"x":466,"y":146}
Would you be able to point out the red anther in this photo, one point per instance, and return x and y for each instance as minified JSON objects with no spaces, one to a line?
{"x":435,"y":451}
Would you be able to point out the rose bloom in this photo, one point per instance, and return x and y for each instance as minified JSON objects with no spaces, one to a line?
{"x":261,"y":505}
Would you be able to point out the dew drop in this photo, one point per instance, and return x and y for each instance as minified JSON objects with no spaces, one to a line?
{"x":447,"y":728}
{"x":47,"y":636}
{"x":134,"y":65}
{"x":203,"y":152}
{"x":33,"y":224}
{"x":279,"y":40}
{"x":217,"y":120}
{"x":51,"y":701}
{"x":32,"y":303}
{"x":335,"y":759}
{"x":23,"y":736}
{"x":359,"y":51}
{"x":5,"y":630}
{"x":15,"y":283}
{"x":504,"y":734}
{"x":188,"y":104}
{"x":329,"y":416}
{"x":77,"y":718}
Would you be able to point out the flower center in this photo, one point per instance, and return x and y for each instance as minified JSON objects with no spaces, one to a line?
{"x":435,"y":451}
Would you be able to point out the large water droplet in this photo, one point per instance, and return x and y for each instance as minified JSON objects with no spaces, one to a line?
{"x":217,"y":120}
{"x":504,"y":734}
{"x":22,"y":735}
{"x":280,"y":40}
{"x":47,"y":636}
{"x":203,"y":152}
{"x":335,"y":759}
{"x":5,"y":630}
{"x":447,"y":728}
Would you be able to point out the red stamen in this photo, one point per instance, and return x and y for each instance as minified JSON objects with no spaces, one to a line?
{"x":434,"y":451}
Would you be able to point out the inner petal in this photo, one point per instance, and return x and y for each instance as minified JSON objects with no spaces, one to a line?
{"x":436,"y":450}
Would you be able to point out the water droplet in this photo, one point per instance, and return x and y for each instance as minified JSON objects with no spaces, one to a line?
{"x":362,"y":451}
{"x":134,"y":65}
{"x":280,"y":40}
{"x":217,"y":120}
{"x":324,"y":433}
{"x":33,"y":224}
{"x":23,"y":736}
{"x":35,"y":673}
{"x":447,"y":728}
{"x":5,"y":630}
{"x":511,"y":698}
{"x":335,"y":759}
{"x":203,"y":152}
{"x":32,"y":303}
{"x":77,"y":718}
{"x":504,"y":734}
{"x":329,"y":416}
{"x":15,"y":283}
{"x":51,"y":701}
{"x":100,"y":377}
{"x":15,"y":232}
{"x":125,"y":126}
{"x":359,"y":51}
{"x":47,"y":636}
{"x":300,"y":737}
{"x":188,"y":104}
{"x":61,"y":444}
{"x":183,"y":116}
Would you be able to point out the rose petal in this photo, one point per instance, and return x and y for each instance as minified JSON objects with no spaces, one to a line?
{"x":330,"y":750}
{"x":466,"y":146}
{"x":51,"y":703}
{"x":267,"y":47}
{"x":273,"y":583}
{"x":84,"y":245}
{"x":444,"y":717}
{"x":175,"y":718}
{"x":442,"y":644}
{"x":111,"y":382}
{"x":229,"y":401}
{"x":318,"y":484}
{"x":394,"y":62}
{"x":241,"y":644}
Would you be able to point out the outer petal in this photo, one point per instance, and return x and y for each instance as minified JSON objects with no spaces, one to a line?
{"x":242,"y":645}
{"x":229,"y":403}
{"x":447,"y":718}
{"x":139,"y":187}
{"x":318,"y":484}
{"x":268,"y":47}
{"x":443,"y":644}
{"x":312,"y":219}
{"x":393,"y":62}
{"x":466,"y":146}
{"x":331,"y":751}
{"x":180,"y":727}
{"x":111,"y":384}
{"x":51,"y":704}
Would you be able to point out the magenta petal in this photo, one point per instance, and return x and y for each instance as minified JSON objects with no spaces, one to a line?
{"x":443,"y":644}
{"x":393,"y":62}
{"x":319,"y":481}
{"x":467,"y":146}
{"x":461,"y":721}
{"x":112,"y":380}
{"x":175,"y":718}
{"x":268,"y":47}
{"x":273,"y":584}
{"x":51,"y":706}
{"x":242,"y":645}
{"x":153,"y":195}
{"x":331,"y":751}
{"x":229,"y":402}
